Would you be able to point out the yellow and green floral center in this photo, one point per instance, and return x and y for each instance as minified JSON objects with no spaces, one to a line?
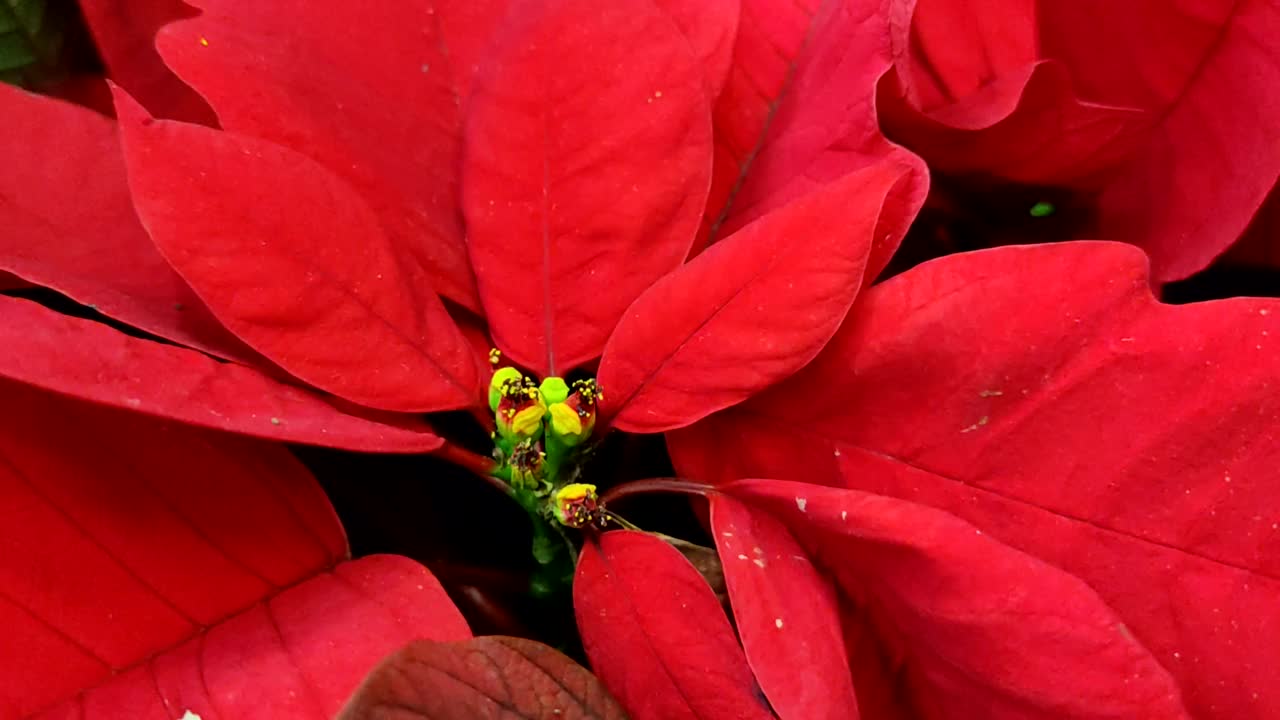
{"x":540,"y":440}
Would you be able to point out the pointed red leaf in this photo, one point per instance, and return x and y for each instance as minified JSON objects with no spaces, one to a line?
{"x":488,"y":677}
{"x":1043,"y":395}
{"x":711,"y":27}
{"x":151,"y":569}
{"x":656,"y":635}
{"x":94,"y":362}
{"x":588,"y":150}
{"x":748,"y":312}
{"x":383,"y":115}
{"x":787,"y":615}
{"x":69,"y":224}
{"x":985,"y":631}
{"x":125,"y":37}
{"x":289,"y":258}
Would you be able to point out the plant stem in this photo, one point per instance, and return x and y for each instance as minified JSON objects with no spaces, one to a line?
{"x":481,"y":466}
{"x":654,"y":485}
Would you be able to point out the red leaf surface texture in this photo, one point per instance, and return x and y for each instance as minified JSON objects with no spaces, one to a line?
{"x":70,"y":224}
{"x":152,"y":569}
{"x":751,"y":310}
{"x":657,"y":637}
{"x":984,"y":631}
{"x":588,"y":152}
{"x":384,"y":115}
{"x":112,"y":368}
{"x":1043,"y":395}
{"x":787,"y":615}
{"x":290,"y":259}
{"x":488,"y":678}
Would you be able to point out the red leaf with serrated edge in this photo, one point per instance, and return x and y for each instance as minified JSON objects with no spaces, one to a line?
{"x":289,"y":258}
{"x":657,"y":637}
{"x":787,"y":615}
{"x":985,"y":631}
{"x":488,"y":677}
{"x":93,"y":362}
{"x":751,"y":310}
{"x":711,"y":26}
{"x":69,"y":224}
{"x":384,"y":115}
{"x":151,"y":567}
{"x":124,"y":33}
{"x":1043,"y":395}
{"x":588,"y":151}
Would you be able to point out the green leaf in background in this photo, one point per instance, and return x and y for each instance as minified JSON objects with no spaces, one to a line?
{"x":33,"y":40}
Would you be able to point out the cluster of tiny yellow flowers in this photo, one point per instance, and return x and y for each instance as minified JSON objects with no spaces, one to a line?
{"x":539,"y":440}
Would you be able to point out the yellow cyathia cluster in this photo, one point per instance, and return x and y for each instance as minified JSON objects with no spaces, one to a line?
{"x":540,"y":427}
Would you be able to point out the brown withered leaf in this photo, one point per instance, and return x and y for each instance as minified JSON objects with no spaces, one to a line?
{"x":486,"y":678}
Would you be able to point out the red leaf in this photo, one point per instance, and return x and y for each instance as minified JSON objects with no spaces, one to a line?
{"x":125,"y":36}
{"x":468,"y":28}
{"x":804,"y":114}
{"x":787,"y":614}
{"x":771,"y":34}
{"x":711,"y":28}
{"x":986,"y":631}
{"x":588,"y":151}
{"x":96,"y":363}
{"x":488,"y":677}
{"x":751,"y":311}
{"x":974,"y":94}
{"x":656,"y":635}
{"x":1181,"y":179}
{"x":222,"y":593}
{"x":69,"y":224}
{"x":1214,"y":155}
{"x":289,"y":258}
{"x":1043,"y":395}
{"x":945,"y":50}
{"x":1028,"y":125}
{"x":383,"y":115}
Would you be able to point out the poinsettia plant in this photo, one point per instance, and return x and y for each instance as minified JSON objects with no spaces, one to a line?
{"x":1007,"y":483}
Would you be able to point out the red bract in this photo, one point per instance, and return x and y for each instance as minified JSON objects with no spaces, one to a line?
{"x":1160,"y":117}
{"x":1042,"y":395}
{"x":151,"y":569}
{"x":316,"y":239}
{"x":622,"y":188}
{"x":125,"y":36}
